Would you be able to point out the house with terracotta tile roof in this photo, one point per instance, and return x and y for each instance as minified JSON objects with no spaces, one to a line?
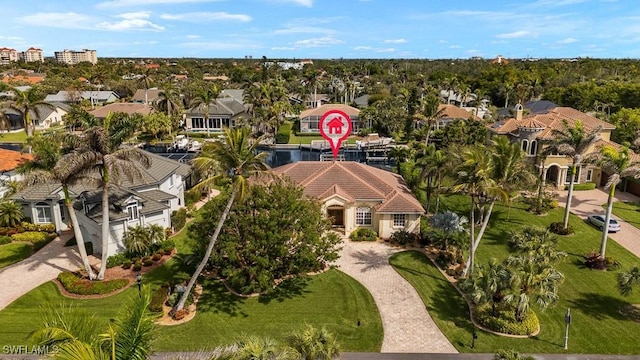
{"x":127,"y":108}
{"x":310,"y":118}
{"x":533,"y":131}
{"x":356,"y":195}
{"x":9,"y":162}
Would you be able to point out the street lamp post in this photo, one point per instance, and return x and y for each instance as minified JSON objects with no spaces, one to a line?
{"x":139,"y":279}
{"x":474,"y":337}
{"x":567,"y":321}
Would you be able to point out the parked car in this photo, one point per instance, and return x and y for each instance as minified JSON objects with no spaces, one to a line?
{"x":598,"y":220}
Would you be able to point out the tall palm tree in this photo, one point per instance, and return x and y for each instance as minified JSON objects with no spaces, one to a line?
{"x":627,"y":280}
{"x":28,"y":102}
{"x":205,"y":96}
{"x":235,"y":158}
{"x":109,"y":161}
{"x":620,"y":166}
{"x":57,"y":169}
{"x":428,"y":114}
{"x":573,"y":141}
{"x":129,"y":336}
{"x":169,"y":100}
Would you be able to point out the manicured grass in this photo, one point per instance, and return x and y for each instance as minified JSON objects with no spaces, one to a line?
{"x":331,"y":299}
{"x":13,"y":137}
{"x":627,"y":211}
{"x":13,"y":252}
{"x":597,"y":325}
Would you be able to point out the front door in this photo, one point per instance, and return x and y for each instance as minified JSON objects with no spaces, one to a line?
{"x":337,"y":216}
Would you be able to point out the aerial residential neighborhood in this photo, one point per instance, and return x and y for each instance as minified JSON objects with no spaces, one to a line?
{"x":299,"y":180}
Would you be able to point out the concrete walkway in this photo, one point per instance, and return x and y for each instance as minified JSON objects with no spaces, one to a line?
{"x":45,"y":265}
{"x":408,"y":328}
{"x":589,"y":202}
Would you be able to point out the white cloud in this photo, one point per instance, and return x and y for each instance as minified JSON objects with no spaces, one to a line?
{"x":131,"y":21}
{"x":307,"y":3}
{"x":219,"y":45}
{"x":387,"y":50}
{"x":129,"y":3}
{"x":193,"y":37}
{"x":362,"y":48}
{"x":69,"y":20}
{"x":304,"y":30}
{"x":567,"y":41}
{"x":206,"y":16}
{"x":513,"y":35}
{"x":395,"y":41}
{"x":282,"y":48}
{"x":455,"y":47}
{"x":318,"y":42}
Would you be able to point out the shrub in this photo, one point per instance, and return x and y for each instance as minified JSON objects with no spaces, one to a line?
{"x":179,"y":218}
{"x":404,"y":237}
{"x":506,"y":321}
{"x":158,"y":298}
{"x":592,"y":260}
{"x":156,"y":256}
{"x":558,"y":228}
{"x":284,"y":133}
{"x":116,"y":260}
{"x":147,"y":262}
{"x":581,"y":187}
{"x":8,"y":231}
{"x":27,"y":226}
{"x":363,"y":234}
{"x":190,"y":197}
{"x":126,"y":264}
{"x":76,"y":285}
{"x":167,"y":246}
{"x":30,"y":236}
{"x":137,"y":266}
{"x":4,"y":239}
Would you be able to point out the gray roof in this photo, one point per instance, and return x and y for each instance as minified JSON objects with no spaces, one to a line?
{"x":152,"y":94}
{"x":361,"y":101}
{"x":157,"y":195}
{"x":534,"y":107}
{"x":222,"y":106}
{"x":117,"y":203}
{"x":237,"y":94}
{"x":64,"y":96}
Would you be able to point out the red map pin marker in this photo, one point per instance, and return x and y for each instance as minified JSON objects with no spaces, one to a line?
{"x":335,"y":126}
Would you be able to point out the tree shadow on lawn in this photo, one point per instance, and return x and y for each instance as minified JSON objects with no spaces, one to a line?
{"x":216,"y":298}
{"x":600,"y":306}
{"x":288,"y":289}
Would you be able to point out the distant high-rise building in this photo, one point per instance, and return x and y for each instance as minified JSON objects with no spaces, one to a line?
{"x":74,"y":57}
{"x":32,"y":55}
{"x":8,"y":55}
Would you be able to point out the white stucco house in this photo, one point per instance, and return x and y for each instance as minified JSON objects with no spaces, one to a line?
{"x":148,"y":200}
{"x":356,"y":195}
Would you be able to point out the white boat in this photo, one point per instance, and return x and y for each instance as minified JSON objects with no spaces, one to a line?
{"x":194,"y":146}
{"x":180,"y":143}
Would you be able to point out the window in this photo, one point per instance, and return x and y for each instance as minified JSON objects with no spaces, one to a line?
{"x":132,"y":210}
{"x":575,"y":178}
{"x":398,"y":220}
{"x":525,"y":145}
{"x":171,"y":180}
{"x":589,"y":174}
{"x":533,"y":147}
{"x":43,"y":211}
{"x":363,"y":216}
{"x":63,"y":211}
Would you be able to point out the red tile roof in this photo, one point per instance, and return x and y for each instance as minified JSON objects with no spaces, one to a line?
{"x":354,"y":182}
{"x":450,"y":111}
{"x":9,"y":159}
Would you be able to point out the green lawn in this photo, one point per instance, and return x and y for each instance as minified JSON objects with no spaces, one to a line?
{"x":332,"y":299}
{"x":597,"y":327}
{"x":13,"y":252}
{"x":13,"y":137}
{"x":627,"y":211}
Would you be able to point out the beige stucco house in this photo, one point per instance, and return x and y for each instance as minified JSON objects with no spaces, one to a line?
{"x":356,"y":195}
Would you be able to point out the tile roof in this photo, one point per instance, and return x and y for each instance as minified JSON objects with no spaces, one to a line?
{"x":152,"y":94}
{"x":549,"y":121}
{"x":450,"y":111}
{"x":117,"y":203}
{"x":319,"y":111}
{"x":9,"y":159}
{"x":633,"y":156}
{"x":128,"y":108}
{"x":352,"y":180}
{"x":65,"y":96}
{"x":227,"y":106}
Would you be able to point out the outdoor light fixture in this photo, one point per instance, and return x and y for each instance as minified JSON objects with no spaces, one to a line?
{"x":139,"y":279}
{"x":474,"y":337}
{"x":567,"y":321}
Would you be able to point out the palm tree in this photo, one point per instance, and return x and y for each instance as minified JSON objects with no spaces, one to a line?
{"x":488,"y":285}
{"x":627,"y":280}
{"x":104,"y":156}
{"x":27,"y":103}
{"x":619,"y":165}
{"x":434,"y":163}
{"x":510,"y":355}
{"x":205,"y":96}
{"x":537,"y":243}
{"x":10,"y":213}
{"x":169,"y":101}
{"x":236,"y":158}
{"x":428,"y":114}
{"x":129,"y":337}
{"x":138,"y":239}
{"x":56,"y":169}
{"x":312,"y":343}
{"x":573,"y":141}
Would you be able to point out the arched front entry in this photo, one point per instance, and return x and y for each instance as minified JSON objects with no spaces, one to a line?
{"x":553,"y":174}
{"x":336,"y":214}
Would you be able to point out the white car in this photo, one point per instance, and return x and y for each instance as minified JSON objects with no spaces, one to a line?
{"x":598,"y":220}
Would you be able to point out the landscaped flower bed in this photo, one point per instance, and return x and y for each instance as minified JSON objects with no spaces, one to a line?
{"x":505,"y":321}
{"x":77,"y":285}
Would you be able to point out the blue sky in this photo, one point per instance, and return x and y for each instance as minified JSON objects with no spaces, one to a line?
{"x":326,"y":28}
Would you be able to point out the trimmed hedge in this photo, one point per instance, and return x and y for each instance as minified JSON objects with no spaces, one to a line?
{"x":506,"y":322}
{"x":49,"y":228}
{"x":158,"y":298}
{"x":36,"y":238}
{"x":363,"y":234}
{"x":558,"y":228}
{"x":284,"y":134}
{"x":116,"y":260}
{"x":4,"y":239}
{"x":76,"y":285}
{"x":582,"y":187}
{"x":179,"y":218}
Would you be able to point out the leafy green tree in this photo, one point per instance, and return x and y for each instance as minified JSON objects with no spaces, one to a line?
{"x":234,"y":159}
{"x":10,"y":213}
{"x":573,"y":141}
{"x":619,"y":165}
{"x":627,"y":280}
{"x":157,"y":124}
{"x":129,"y":337}
{"x":627,"y":122}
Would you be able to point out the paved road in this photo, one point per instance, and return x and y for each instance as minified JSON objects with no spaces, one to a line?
{"x":45,"y":265}
{"x":591,"y":201}
{"x":408,"y":328}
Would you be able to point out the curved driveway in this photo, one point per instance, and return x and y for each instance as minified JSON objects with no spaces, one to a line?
{"x":591,"y":201}
{"x":408,"y":328}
